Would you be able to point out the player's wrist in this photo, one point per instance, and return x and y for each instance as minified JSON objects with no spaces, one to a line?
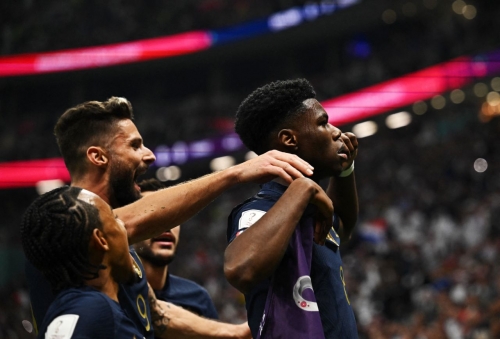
{"x":348,"y":171}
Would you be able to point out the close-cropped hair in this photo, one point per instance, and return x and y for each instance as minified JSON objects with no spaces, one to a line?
{"x":267,"y":108}
{"x":55,"y":232}
{"x":91,"y":123}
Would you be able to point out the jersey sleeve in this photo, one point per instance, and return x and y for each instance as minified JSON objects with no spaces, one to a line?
{"x":244,"y":216}
{"x":210,"y":311}
{"x":86,"y":317}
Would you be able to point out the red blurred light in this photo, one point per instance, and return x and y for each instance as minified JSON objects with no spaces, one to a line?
{"x":28,"y":173}
{"x":108,"y":55}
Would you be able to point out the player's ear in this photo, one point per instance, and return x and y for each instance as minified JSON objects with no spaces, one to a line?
{"x":97,"y":156}
{"x":98,"y":241}
{"x":288,"y":139}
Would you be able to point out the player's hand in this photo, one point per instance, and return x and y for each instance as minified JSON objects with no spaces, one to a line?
{"x":324,"y":216}
{"x":351,"y":141}
{"x":272,"y":164}
{"x":243,"y":331}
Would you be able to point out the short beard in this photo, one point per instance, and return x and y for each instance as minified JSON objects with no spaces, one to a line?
{"x":121,"y":187}
{"x":146,"y":254}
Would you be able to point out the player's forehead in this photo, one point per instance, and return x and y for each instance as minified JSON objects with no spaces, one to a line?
{"x":126,"y":129}
{"x":314,"y":107}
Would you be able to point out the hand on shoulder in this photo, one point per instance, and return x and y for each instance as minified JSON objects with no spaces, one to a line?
{"x":273,"y":164}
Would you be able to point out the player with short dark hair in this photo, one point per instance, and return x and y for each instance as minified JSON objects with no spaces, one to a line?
{"x":196,"y":314}
{"x":294,"y":288}
{"x":73,"y":238}
{"x":105,"y":153}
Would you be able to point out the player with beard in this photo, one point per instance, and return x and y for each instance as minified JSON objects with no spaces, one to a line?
{"x":104,"y":153}
{"x":85,"y":268}
{"x":195,"y":313}
{"x":271,"y":253}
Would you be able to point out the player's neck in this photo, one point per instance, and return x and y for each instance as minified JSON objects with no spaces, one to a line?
{"x":95,"y":184}
{"x":105,"y":284}
{"x":157,"y":275}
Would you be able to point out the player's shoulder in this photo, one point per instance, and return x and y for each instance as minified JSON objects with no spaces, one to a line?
{"x":258,"y":202}
{"x":82,"y":297}
{"x":76,"y":311}
{"x":177,"y":282}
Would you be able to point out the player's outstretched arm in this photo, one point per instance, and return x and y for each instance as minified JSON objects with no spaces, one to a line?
{"x":170,"y":207}
{"x":254,"y":254}
{"x":343,"y":192}
{"x":173,"y":322}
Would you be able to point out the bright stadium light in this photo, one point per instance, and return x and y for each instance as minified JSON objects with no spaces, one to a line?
{"x":438,"y":102}
{"x":480,"y":165}
{"x":458,"y":6}
{"x":493,"y":99}
{"x":495,"y":84}
{"x":457,"y":96}
{"x":170,"y":173}
{"x":219,"y":164}
{"x":365,"y":129}
{"x":420,"y":107}
{"x":398,"y":120}
{"x":480,"y":89}
{"x":469,"y":12}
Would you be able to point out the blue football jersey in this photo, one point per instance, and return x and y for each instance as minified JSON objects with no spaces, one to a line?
{"x":189,"y":295}
{"x":133,"y":298}
{"x":85,"y":313}
{"x":337,"y":316}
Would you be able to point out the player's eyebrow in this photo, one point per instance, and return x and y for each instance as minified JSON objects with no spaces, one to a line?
{"x":323,"y":116}
{"x":136,"y":140}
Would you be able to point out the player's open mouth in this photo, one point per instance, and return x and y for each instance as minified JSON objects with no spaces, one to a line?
{"x":166,"y":238}
{"x":138,"y":173}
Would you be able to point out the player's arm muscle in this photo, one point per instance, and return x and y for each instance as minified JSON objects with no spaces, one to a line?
{"x":344,"y":195}
{"x":172,"y":206}
{"x":254,"y":254}
{"x":185,"y":324}
{"x":171,"y":321}
{"x":343,"y":192}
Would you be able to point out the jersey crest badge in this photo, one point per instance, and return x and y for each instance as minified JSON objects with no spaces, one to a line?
{"x":250,"y":217}
{"x":62,"y":327}
{"x":137,"y":268}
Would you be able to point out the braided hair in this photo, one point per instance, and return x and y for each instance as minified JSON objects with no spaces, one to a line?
{"x":55,"y":232}
{"x":267,"y":108}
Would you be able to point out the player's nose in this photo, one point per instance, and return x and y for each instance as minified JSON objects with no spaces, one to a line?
{"x":149,"y":156}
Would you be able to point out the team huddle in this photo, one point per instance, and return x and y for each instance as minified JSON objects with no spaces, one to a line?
{"x":98,"y":250}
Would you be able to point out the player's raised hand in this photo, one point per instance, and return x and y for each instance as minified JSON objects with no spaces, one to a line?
{"x":351,"y":141}
{"x":271,"y":165}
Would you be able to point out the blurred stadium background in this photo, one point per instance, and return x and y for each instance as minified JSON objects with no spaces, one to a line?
{"x":417,"y":80}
